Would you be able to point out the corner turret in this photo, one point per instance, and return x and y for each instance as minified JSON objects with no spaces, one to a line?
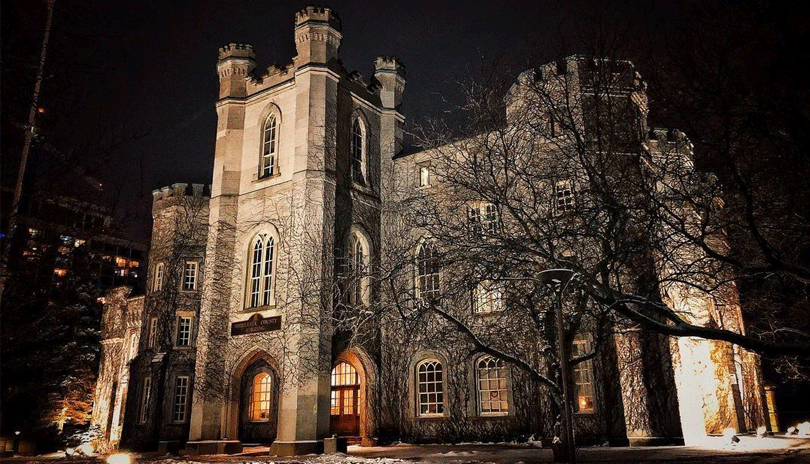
{"x":236,"y":61}
{"x":390,"y":73}
{"x":317,"y":35}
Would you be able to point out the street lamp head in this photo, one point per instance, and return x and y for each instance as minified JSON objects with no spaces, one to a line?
{"x":556,"y":276}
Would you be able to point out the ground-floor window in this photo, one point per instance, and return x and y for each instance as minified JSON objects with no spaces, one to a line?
{"x":261,"y":397}
{"x":492,"y":388}
{"x":583,"y":377}
{"x":180,"y":399}
{"x":430,"y":387}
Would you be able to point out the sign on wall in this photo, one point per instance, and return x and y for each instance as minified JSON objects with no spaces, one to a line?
{"x":256,"y":324}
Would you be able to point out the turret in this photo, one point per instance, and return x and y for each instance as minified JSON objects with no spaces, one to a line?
{"x":317,"y":35}
{"x":390,"y":73}
{"x":236,"y":61}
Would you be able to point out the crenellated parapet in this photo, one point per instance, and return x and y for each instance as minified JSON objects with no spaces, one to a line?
{"x":236,"y":62}
{"x":178,"y":194}
{"x":389,"y":72}
{"x":318,"y":14}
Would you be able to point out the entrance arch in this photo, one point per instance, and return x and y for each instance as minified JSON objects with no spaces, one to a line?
{"x":255,"y":387}
{"x":351,"y":410}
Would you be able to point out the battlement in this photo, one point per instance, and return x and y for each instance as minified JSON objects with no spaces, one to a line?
{"x":385,"y":63}
{"x":236,"y":50}
{"x":664,"y":134}
{"x":171,"y":195}
{"x":318,"y":14}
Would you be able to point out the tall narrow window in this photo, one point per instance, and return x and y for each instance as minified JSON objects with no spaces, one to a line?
{"x":261,"y":271}
{"x":358,"y":151}
{"x":490,"y":218}
{"x":152,"y":335}
{"x":357,"y":264}
{"x":564,"y":196}
{"x":146,"y":396}
{"x":428,"y":267}
{"x":184,"y":331}
{"x":424,"y":176}
{"x":474,"y":219}
{"x":261,"y":395}
{"x":430,"y":388}
{"x":180,"y":399}
{"x":583,"y":376}
{"x":190,"y":275}
{"x":492,"y":396}
{"x":157,"y":285}
{"x":269,"y":147}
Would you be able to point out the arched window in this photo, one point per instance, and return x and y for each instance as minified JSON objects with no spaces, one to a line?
{"x":430,"y":388}
{"x":269,"y":147}
{"x":261,"y":397}
{"x":491,"y":378}
{"x":428,"y":272}
{"x":345,"y":390}
{"x":357,"y":268}
{"x":261,"y":271}
{"x":358,"y":151}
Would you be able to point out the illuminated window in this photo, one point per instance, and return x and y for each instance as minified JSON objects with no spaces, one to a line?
{"x":152,"y":332}
{"x":180,"y":399}
{"x":428,"y":272}
{"x":269,"y":147}
{"x":564,"y":196}
{"x":157,"y":284}
{"x":345,"y":382}
{"x":430,"y":388}
{"x":492,"y":395}
{"x":358,"y":151}
{"x":261,"y":397}
{"x":147,"y":394}
{"x":424,"y":176}
{"x":184,"y":331}
{"x":120,"y":262}
{"x":60,"y":272}
{"x":344,"y":374}
{"x":190,"y":276}
{"x":487,"y":298}
{"x":261,"y":271}
{"x":583,"y":376}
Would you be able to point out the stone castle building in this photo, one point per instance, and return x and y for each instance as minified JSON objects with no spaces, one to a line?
{"x":237,"y":340}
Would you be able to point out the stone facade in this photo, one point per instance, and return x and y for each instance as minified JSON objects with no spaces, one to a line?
{"x":309,"y":178}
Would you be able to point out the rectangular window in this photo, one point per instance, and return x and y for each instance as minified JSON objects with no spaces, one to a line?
{"x":488,"y":298}
{"x":424,"y":176}
{"x":147,"y":395}
{"x":583,"y":377}
{"x":190,"y":276}
{"x":157,"y":285}
{"x":564,"y":196}
{"x":180,"y":399}
{"x":490,"y":218}
{"x":184,"y":331}
{"x":474,"y":219}
{"x":152,"y":333}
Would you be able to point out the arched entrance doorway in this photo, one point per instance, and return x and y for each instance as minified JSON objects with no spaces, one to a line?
{"x":258,"y":404}
{"x":345,"y":404}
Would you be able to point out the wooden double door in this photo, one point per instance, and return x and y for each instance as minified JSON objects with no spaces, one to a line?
{"x":345,"y":402}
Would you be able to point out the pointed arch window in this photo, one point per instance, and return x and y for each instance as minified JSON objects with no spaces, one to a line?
{"x":430,"y":388}
{"x":358,"y":151}
{"x":261,"y":397}
{"x":357,"y":268}
{"x":492,"y":390}
{"x":261,"y":271}
{"x":428,"y":272}
{"x":269,"y":161}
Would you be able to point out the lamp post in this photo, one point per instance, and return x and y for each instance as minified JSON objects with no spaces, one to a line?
{"x":559,"y":279}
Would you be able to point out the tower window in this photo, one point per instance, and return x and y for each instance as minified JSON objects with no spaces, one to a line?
{"x":157,"y":285}
{"x":190,"y":275}
{"x":269,"y":147}
{"x":357,"y":268}
{"x":184,"y":331}
{"x":147,"y":394}
{"x":428,"y":272}
{"x":261,"y":271}
{"x":358,"y":152}
{"x":564,"y":196}
{"x":180,"y":399}
{"x":152,"y":335}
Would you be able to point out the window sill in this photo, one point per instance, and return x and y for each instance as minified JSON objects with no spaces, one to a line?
{"x":257,"y":179}
{"x":432,"y":417}
{"x":183,"y":347}
{"x":256,"y":309}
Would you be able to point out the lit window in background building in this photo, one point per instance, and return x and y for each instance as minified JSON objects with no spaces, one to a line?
{"x":583,"y":376}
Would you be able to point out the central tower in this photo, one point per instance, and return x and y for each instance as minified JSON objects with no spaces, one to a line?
{"x":300,"y":152}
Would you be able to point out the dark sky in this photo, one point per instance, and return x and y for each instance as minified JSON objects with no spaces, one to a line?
{"x":149,"y":67}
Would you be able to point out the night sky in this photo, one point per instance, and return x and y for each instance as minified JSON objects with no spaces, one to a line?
{"x":148,"y":69}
